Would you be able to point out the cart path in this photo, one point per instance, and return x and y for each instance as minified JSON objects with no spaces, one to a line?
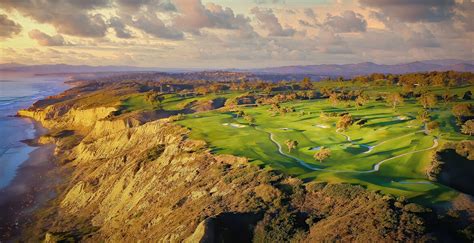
{"x":375,"y":168}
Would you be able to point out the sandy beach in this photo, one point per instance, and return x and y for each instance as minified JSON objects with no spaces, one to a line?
{"x":31,"y":188}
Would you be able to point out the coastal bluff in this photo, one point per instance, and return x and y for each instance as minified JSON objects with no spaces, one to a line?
{"x":130,"y":179}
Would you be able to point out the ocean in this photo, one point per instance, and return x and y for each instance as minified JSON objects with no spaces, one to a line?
{"x":19,"y":92}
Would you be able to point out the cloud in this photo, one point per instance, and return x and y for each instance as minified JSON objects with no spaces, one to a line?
{"x":269,"y":22}
{"x":309,"y":13}
{"x":310,"y":19}
{"x":152,"y":25}
{"x":193,"y":16}
{"x":414,"y":10}
{"x":136,"y":5}
{"x":348,"y":21}
{"x":466,"y":15}
{"x":269,"y":1}
{"x":8,"y":27}
{"x":213,"y":35}
{"x":68,"y":16}
{"x":423,"y":39}
{"x":119,"y":27}
{"x":44,"y":39}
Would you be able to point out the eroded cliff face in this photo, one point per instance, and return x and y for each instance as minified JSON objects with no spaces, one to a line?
{"x":64,"y":117}
{"x":131,"y":181}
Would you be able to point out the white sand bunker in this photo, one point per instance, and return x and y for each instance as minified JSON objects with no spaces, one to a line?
{"x":286,"y":129}
{"x":402,"y":118}
{"x":234,"y":125}
{"x":315,"y":148}
{"x":322,"y":126}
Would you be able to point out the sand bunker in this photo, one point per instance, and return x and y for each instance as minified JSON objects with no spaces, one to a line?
{"x":286,"y":129}
{"x":315,"y":148}
{"x":234,"y":125}
{"x":322,"y":126}
{"x":402,"y":118}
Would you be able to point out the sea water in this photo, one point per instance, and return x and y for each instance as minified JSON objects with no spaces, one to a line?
{"x":19,"y":92}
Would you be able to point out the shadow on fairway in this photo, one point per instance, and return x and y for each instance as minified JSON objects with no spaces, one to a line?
{"x":387,"y":123}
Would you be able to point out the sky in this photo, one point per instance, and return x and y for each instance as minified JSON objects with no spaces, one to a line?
{"x":234,"y":33}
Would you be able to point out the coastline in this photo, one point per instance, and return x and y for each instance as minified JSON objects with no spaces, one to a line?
{"x":33,"y":185}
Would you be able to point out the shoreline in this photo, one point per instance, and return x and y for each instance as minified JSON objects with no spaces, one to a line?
{"x":32,"y":186}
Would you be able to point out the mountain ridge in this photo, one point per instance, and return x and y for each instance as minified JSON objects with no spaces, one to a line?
{"x":352,"y":69}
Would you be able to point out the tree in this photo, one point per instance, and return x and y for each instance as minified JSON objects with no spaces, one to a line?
{"x":306,"y":83}
{"x":439,"y":80}
{"x":427,"y":100}
{"x":334,"y":99}
{"x":452,"y":82}
{"x":408,"y":88}
{"x":239,"y":113}
{"x":231,"y":103}
{"x":394,"y":100}
{"x":250,"y":119}
{"x":203,"y":90}
{"x":344,"y":122}
{"x":322,"y":154}
{"x":310,"y":94}
{"x":468,"y":127}
{"x":446,"y":97}
{"x":361,"y":100}
{"x":467,"y":95}
{"x":423,"y":116}
{"x":215,"y":88}
{"x":461,"y":110}
{"x":291,"y":144}
{"x":154,"y":98}
{"x":432,"y":125}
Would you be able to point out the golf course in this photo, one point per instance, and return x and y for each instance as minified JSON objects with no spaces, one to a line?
{"x":390,"y":152}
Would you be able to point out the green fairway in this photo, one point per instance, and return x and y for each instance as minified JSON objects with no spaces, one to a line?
{"x":389,"y":153}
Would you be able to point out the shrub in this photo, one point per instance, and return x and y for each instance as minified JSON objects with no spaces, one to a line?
{"x":177,"y":117}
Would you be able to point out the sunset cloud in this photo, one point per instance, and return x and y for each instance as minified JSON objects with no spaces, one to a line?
{"x":348,"y":21}
{"x":414,"y":10}
{"x":44,"y":39}
{"x":222,"y":33}
{"x":270,"y":22}
{"x":8,"y":27}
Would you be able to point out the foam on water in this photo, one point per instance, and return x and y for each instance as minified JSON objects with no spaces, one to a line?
{"x":18,"y":92}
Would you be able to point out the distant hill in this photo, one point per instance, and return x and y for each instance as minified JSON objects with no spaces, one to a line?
{"x":316,"y":71}
{"x":370,"y":67}
{"x":9,"y":65}
{"x":65,"y":68}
